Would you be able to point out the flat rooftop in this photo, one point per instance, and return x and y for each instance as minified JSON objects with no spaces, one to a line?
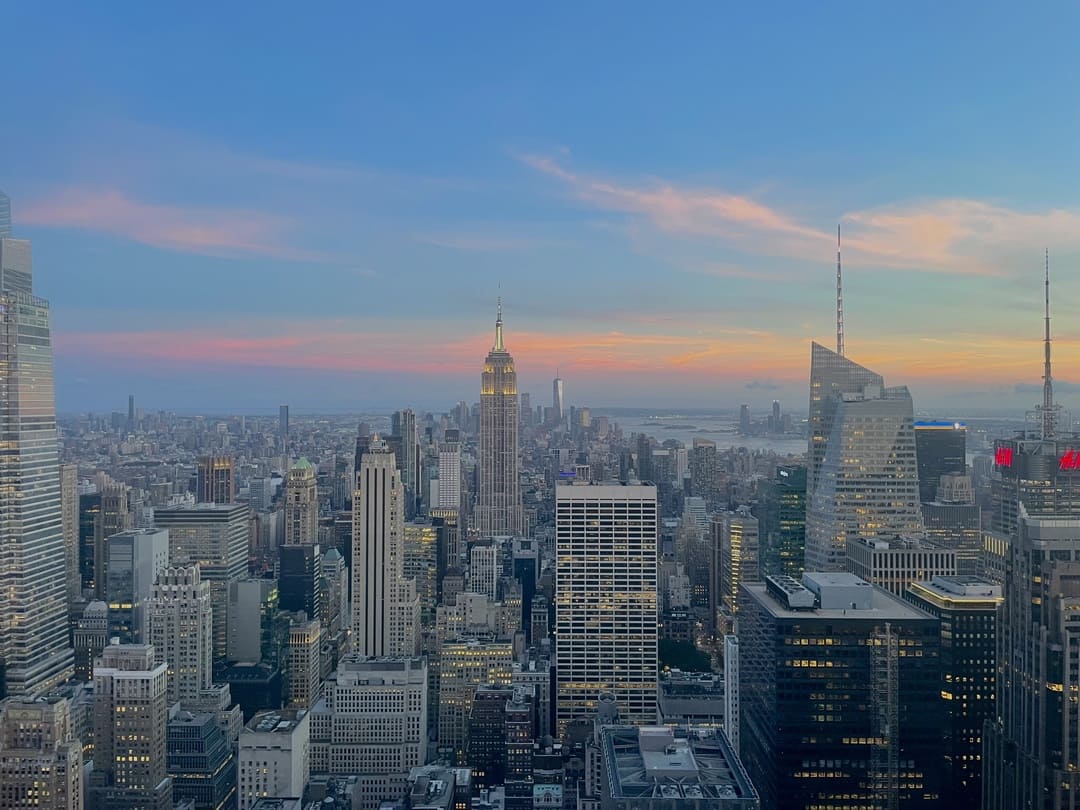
{"x":882,"y":604}
{"x":650,"y":762}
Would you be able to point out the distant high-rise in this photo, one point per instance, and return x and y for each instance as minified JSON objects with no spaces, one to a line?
{"x":131,"y":414}
{"x":557,"y":404}
{"x":863,"y":477}
{"x":404,"y":429}
{"x":181,"y":630}
{"x":450,"y":471}
{"x":301,"y":505}
{"x":283,"y":422}
{"x":5,"y":215}
{"x":34,"y":649}
{"x":215,"y":479}
{"x":744,"y":420}
{"x":782,"y":519}
{"x":941,"y":448}
{"x":384,"y":604}
{"x":498,"y":510}
{"x":216,"y":537}
{"x":606,"y":600}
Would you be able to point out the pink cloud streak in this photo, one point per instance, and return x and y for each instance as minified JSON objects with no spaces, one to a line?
{"x":204,"y":231}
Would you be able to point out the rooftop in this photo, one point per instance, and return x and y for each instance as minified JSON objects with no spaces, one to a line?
{"x":834,"y":594}
{"x":650,"y":762}
{"x":279,"y":721}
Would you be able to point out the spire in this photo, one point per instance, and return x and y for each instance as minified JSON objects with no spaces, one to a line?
{"x":1048,"y":409}
{"x":499,"y":347}
{"x":839,"y":299}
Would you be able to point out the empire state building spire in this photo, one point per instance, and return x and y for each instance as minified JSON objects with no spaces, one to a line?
{"x":499,"y":347}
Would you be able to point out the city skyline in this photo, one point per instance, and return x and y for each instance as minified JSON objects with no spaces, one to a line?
{"x":662,"y":231}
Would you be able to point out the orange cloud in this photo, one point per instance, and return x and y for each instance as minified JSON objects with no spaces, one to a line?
{"x":960,"y":236}
{"x":205,"y":231}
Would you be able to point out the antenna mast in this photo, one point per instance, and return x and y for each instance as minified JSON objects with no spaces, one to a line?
{"x":839,"y":299}
{"x":1049,"y":411}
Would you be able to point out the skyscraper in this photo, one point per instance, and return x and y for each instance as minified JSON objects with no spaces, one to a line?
{"x":69,"y":522}
{"x":215,"y":536}
{"x":839,"y":693}
{"x":135,"y":559}
{"x":450,"y":471}
{"x":606,"y":599}
{"x":384,"y":604}
{"x":557,"y":399}
{"x":215,"y":479}
{"x":408,"y":442}
{"x":498,"y":510}
{"x":181,"y":631}
{"x":34,"y":648}
{"x":130,"y":729}
{"x":782,"y":519}
{"x":301,"y":505}
{"x":863,"y":477}
{"x":941,"y":450}
{"x":5,"y":215}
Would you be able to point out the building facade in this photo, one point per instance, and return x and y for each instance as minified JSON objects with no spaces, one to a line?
{"x":606,"y":599}
{"x":498,"y":509}
{"x":181,"y":630}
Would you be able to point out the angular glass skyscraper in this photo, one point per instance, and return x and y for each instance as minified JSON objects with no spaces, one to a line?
{"x":34,"y":649}
{"x":863,"y":479}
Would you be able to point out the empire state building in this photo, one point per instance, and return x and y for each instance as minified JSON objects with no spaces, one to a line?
{"x":498,"y":510}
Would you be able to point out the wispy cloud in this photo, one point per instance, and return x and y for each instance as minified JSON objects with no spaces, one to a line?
{"x":189,"y":229}
{"x":958,"y":236}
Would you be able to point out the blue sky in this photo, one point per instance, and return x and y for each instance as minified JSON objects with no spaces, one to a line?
{"x":239,"y":205}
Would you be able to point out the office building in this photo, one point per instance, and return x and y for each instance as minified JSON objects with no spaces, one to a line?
{"x":498,"y":509}
{"x":200,"y":761}
{"x":181,"y":631}
{"x":214,"y":537}
{"x":486,"y":749}
{"x":274,"y":757}
{"x":35,"y":652}
{"x":484,"y":568}
{"x":704,"y":471}
{"x":557,"y":406}
{"x":782,"y":522}
{"x":40,"y":758}
{"x":966,"y":607}
{"x":134,"y":560}
{"x":403,"y":428}
{"x":421,"y":565}
{"x":130,"y":727}
{"x":372,"y":721}
{"x":1042,"y":474}
{"x":215,"y":479}
{"x":335,"y":594}
{"x":283,"y":422}
{"x":300,"y":578}
{"x":863,"y":477}
{"x":839,"y":693}
{"x":301,"y":505}
{"x":668,"y":769}
{"x":450,"y":471}
{"x":69,"y":527}
{"x":953,"y":520}
{"x":744,"y":420}
{"x":737,"y":552}
{"x":305,"y":661}
{"x":464,"y":666}
{"x":91,"y":635}
{"x":253,"y":608}
{"x":5,"y":216}
{"x":1030,"y":754}
{"x":385,"y":608}
{"x":895,"y":564}
{"x":606,"y":599}
{"x":690,"y":699}
{"x":519,"y":734}
{"x":941,"y":448}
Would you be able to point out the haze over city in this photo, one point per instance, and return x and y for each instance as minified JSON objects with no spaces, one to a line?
{"x":231,"y":209}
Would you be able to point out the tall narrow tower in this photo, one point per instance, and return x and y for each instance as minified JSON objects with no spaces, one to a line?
{"x":1048,"y":412}
{"x":384,"y":603}
{"x":34,"y":649}
{"x":839,"y":299}
{"x":499,"y":508}
{"x":557,"y":398}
